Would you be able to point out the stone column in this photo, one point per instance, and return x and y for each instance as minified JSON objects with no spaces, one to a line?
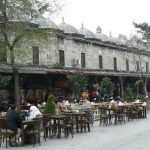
{"x":122,"y":79}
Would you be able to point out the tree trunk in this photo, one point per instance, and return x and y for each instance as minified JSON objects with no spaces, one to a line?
{"x":122,"y":87}
{"x":16,"y":78}
{"x":137,"y":90}
{"x":16,"y":88}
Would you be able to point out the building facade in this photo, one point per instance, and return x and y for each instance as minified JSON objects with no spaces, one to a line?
{"x":45,"y":60}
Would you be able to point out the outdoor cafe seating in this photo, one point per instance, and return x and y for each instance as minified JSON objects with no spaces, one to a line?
{"x":115,"y":114}
{"x":76,"y":120}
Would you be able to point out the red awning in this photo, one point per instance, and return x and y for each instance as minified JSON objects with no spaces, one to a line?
{"x":58,"y":72}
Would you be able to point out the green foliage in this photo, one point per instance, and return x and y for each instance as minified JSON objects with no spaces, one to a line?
{"x":144,"y":30}
{"x":32,"y":7}
{"x":78,"y":82}
{"x":50,"y":107}
{"x":129,"y":96}
{"x":4,"y":80}
{"x":106,"y":86}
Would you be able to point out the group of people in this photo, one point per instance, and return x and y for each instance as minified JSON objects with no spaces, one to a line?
{"x":14,"y":120}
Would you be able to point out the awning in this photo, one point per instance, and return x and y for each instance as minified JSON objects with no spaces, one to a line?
{"x":88,"y":73}
{"x":65,"y":72}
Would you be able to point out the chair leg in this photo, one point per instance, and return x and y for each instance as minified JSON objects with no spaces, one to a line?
{"x":72,"y":132}
{"x":88,"y":127}
{"x":0,"y":140}
{"x":39,"y":139}
{"x":44,"y":137}
{"x":6,"y":141}
{"x":34,"y":139}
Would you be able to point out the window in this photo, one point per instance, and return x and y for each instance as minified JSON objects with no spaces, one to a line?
{"x":61,"y":58}
{"x":3,"y":53}
{"x":60,"y":40}
{"x":127,"y":64}
{"x":115,"y":63}
{"x":82,"y":60}
{"x":147,"y":67}
{"x":137,"y":66}
{"x":35,"y":55}
{"x":100,"y":62}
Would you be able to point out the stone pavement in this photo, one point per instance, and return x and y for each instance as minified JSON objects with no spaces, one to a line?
{"x":133,"y":135}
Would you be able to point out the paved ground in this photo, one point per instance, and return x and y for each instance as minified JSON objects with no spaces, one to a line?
{"x":130,"y":136}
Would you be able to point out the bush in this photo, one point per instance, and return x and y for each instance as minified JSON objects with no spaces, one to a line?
{"x":129,"y":95}
{"x":50,"y":107}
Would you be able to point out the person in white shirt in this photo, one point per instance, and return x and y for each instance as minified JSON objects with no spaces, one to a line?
{"x":34,"y":112}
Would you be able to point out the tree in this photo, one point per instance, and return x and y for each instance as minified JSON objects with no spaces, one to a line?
{"x":106,"y":86}
{"x":78,"y":82}
{"x":142,"y":42}
{"x":144,"y":30}
{"x":12,"y":32}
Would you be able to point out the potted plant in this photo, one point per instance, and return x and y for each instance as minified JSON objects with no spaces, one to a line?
{"x":129,"y":95}
{"x":50,"y":107}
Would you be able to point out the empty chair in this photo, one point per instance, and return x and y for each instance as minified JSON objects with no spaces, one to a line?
{"x":34,"y":130}
{"x":68,"y":126}
{"x":104,"y":118}
{"x":47,"y":126}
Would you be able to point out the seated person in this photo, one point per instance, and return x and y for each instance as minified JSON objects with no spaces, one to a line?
{"x":62,"y":106}
{"x":34,"y":112}
{"x":144,"y":103}
{"x":13,"y":123}
{"x":86,"y":103}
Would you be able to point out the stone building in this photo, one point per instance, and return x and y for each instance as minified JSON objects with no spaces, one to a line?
{"x":45,"y":60}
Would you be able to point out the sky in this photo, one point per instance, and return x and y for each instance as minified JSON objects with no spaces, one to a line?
{"x":115,"y":16}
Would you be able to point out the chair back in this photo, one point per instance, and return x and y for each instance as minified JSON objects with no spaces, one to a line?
{"x":3,"y":124}
{"x":5,"y":133}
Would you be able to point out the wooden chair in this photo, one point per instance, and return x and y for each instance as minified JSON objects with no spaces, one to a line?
{"x":120,"y":115}
{"x":5,"y":134}
{"x":71,"y":121}
{"x":47,"y":126}
{"x":62,"y":124}
{"x":34,"y":131}
{"x":133,"y":113}
{"x":90,"y":115}
{"x":104,"y":117}
{"x":87,"y":120}
{"x":82,"y":122}
{"x":68,"y":126}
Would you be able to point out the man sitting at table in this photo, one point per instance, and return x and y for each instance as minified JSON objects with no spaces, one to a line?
{"x":13,"y":123}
